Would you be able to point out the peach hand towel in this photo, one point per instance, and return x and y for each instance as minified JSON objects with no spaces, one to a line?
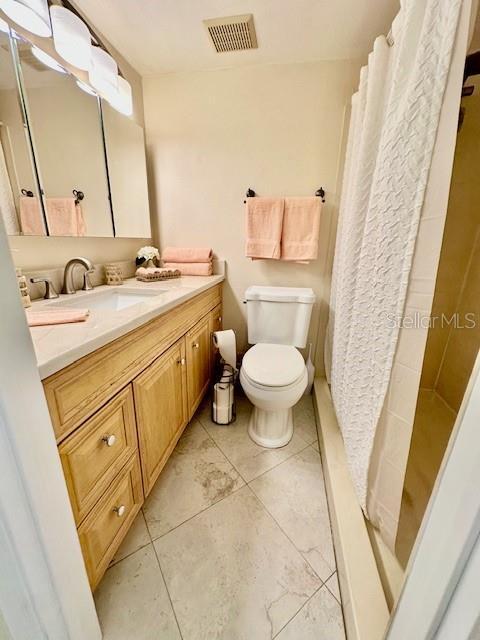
{"x":191,"y":268}
{"x":301,"y":226}
{"x":31,"y":217}
{"x":81,"y":225}
{"x":62,"y":217}
{"x":55,"y":316}
{"x":264,"y":227}
{"x":187,"y":254}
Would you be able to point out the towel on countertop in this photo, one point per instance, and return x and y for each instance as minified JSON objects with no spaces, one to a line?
{"x":264,"y":227}
{"x":151,"y":274}
{"x":191,"y":268}
{"x":31,"y":217}
{"x":187,"y":254}
{"x":65,"y":217}
{"x":301,"y":226}
{"x":55,"y":316}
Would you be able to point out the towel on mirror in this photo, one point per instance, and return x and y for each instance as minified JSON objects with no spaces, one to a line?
{"x":187,"y":254}
{"x":191,"y":268}
{"x":264,"y":227}
{"x":55,"y":316}
{"x":31,"y":217}
{"x":301,"y":226}
{"x":65,"y":217}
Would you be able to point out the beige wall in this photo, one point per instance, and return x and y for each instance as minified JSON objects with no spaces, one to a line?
{"x":211,"y":135}
{"x":451,"y":352}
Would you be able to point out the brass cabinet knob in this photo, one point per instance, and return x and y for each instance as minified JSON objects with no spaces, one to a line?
{"x":120,"y":510}
{"x":181,"y":361}
{"x":195,"y":345}
{"x":109,"y":440}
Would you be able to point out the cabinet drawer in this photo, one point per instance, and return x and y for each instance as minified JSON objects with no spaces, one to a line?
{"x":76,"y":392}
{"x":93,"y":455}
{"x":106,"y":525}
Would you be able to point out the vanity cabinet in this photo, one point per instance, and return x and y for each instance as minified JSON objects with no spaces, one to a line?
{"x":198,"y":349}
{"x":161,"y":409}
{"x":118,"y":413}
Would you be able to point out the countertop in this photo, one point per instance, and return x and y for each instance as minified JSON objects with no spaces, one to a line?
{"x":57,"y":346}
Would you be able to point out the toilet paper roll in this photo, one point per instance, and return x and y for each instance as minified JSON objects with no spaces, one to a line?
{"x":226,"y":343}
{"x":223,"y":394}
{"x":223,"y":415}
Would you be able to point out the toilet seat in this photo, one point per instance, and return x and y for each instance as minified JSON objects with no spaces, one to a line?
{"x":273,"y":366}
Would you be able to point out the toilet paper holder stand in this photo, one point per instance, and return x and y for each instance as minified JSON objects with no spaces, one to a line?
{"x":223,"y":408}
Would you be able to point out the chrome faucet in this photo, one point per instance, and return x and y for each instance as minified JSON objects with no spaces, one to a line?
{"x":68,"y":285}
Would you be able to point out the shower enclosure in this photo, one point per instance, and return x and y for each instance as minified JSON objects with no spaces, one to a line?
{"x":454,"y":331}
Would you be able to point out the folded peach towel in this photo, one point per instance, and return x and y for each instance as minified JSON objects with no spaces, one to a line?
{"x":264,"y":227}
{"x":301,"y":225}
{"x":187,"y":254}
{"x":55,"y":316}
{"x":191,"y":268}
{"x":65,"y":217}
{"x":31,"y":217}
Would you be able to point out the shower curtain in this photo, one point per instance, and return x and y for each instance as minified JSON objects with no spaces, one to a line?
{"x":394,"y":121}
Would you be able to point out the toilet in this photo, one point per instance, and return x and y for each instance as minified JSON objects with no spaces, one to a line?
{"x":273,"y":373}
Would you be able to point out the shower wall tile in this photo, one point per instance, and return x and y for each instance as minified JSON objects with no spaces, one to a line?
{"x":402,"y":398}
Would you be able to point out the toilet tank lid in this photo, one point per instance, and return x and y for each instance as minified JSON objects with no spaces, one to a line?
{"x":280,"y":294}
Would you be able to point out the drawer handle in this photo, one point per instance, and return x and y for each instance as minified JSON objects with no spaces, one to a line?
{"x":109,"y":440}
{"x":120,"y":510}
{"x":181,"y":361}
{"x":195,"y":345}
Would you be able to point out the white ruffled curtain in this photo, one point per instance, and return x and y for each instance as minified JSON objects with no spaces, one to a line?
{"x":394,"y":122}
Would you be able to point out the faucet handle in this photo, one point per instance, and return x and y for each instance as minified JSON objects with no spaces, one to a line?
{"x":50,"y":293}
{"x":87,"y":285}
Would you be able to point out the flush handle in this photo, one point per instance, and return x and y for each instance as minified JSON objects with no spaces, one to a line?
{"x":109,"y":440}
{"x":120,"y":511}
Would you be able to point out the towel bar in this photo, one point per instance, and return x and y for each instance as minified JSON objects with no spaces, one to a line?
{"x":320,"y":193}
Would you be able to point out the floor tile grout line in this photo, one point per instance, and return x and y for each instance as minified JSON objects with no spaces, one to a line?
{"x":291,"y":541}
{"x":197,"y":514}
{"x":330,"y":590}
{"x":278,"y":464}
{"x":263,"y":472}
{"x":128,"y":555}
{"x":297,"y":612}
{"x":168,"y":592}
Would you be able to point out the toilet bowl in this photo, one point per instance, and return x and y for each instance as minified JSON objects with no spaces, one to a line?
{"x":274,"y":377}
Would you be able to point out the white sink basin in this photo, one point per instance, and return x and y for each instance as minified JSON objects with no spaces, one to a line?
{"x":112,"y":300}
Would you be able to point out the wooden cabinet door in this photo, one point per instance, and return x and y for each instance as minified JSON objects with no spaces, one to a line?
{"x":215,"y":325}
{"x":161,"y":410}
{"x":197,"y":345}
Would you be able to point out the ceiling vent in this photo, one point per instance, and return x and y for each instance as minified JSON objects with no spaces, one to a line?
{"x":234,"y":33}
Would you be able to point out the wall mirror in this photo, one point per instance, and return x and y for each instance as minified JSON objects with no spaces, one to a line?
{"x":68,"y":165}
{"x":68,"y":145}
{"x":127,"y":168}
{"x":19,"y":191}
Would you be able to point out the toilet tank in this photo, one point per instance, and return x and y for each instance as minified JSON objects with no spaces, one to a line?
{"x":279,"y":315}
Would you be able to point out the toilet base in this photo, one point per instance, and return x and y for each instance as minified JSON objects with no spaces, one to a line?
{"x":271,"y":429}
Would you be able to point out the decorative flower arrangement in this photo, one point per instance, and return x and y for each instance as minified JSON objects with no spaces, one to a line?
{"x":147,"y":256}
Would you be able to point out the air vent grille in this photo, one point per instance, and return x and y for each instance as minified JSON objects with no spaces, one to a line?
{"x":234,"y":33}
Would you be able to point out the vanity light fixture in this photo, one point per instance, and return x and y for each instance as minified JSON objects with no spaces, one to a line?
{"x":47,"y":60}
{"x":86,"y":87}
{"x":32,"y":15}
{"x":103,"y":72}
{"x":71,"y":37}
{"x":121,"y":99}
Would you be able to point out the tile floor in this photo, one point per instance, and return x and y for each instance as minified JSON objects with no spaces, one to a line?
{"x":233,"y":543}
